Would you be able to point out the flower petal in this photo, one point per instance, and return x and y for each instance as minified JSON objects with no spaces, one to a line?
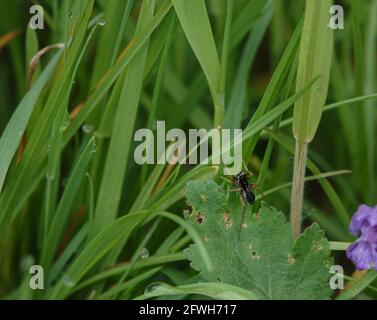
{"x":363,"y":218}
{"x":362,"y":254}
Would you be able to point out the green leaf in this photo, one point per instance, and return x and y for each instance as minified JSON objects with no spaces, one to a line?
{"x":101,"y":244}
{"x":67,"y":201}
{"x":122,"y":132}
{"x":196,"y":25}
{"x":358,"y":286}
{"x":206,"y":197}
{"x":314,"y":60}
{"x":36,"y":146}
{"x":12,"y":135}
{"x":256,"y":251}
{"x":219,"y":291}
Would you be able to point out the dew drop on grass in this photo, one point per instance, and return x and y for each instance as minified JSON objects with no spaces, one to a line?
{"x":64,"y":126}
{"x":50,"y":177}
{"x":101,"y":22}
{"x":70,"y":15}
{"x":68,"y":281}
{"x":87,"y":128}
{"x":144,"y":253}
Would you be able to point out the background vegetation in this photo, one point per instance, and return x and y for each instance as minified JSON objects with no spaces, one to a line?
{"x":73,"y":199}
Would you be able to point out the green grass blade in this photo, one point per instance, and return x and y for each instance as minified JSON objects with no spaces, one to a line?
{"x":66,"y":203}
{"x":141,"y":264}
{"x":196,"y":25}
{"x":218,"y":291}
{"x":358,"y":286}
{"x":314,"y":60}
{"x":71,"y":249}
{"x":122,"y":132}
{"x":370,"y":113}
{"x":235,"y":108}
{"x":36,"y":147}
{"x":194,"y":236}
{"x":101,"y":244}
{"x":12,"y":135}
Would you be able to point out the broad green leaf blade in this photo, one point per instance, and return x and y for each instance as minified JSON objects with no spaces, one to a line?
{"x":273,"y":91}
{"x":32,"y":47}
{"x":256,"y":251}
{"x":140,"y":264}
{"x":196,"y":25}
{"x":70,"y":251}
{"x":219,"y":291}
{"x":314,"y":60}
{"x":111,"y":75}
{"x":116,"y":15}
{"x":53,"y":168}
{"x":237,"y":101}
{"x":358,"y":286}
{"x":122,"y":132}
{"x":37,"y":144}
{"x":370,"y":112}
{"x":12,"y":134}
{"x":128,"y":285}
{"x":65,"y":205}
{"x":194,"y":236}
{"x":101,"y":244}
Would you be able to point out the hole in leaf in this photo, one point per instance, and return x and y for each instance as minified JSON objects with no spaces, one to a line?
{"x":199,"y":218}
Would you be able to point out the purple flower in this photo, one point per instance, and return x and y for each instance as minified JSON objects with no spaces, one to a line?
{"x":363,"y":253}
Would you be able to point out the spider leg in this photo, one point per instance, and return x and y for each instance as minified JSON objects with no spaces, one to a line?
{"x":248,"y":172}
{"x":226,"y":180}
{"x":254,"y":186}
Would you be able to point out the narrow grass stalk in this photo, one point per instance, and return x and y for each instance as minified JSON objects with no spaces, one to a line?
{"x":298,"y":187}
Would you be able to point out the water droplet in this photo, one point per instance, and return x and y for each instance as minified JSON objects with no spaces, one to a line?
{"x":64,"y":126}
{"x":50,"y":177}
{"x":186,"y":214}
{"x":68,"y":281}
{"x":73,"y":82}
{"x":87,"y":128}
{"x":49,"y":146}
{"x":70,"y":15}
{"x":101,"y":21}
{"x":144,"y":253}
